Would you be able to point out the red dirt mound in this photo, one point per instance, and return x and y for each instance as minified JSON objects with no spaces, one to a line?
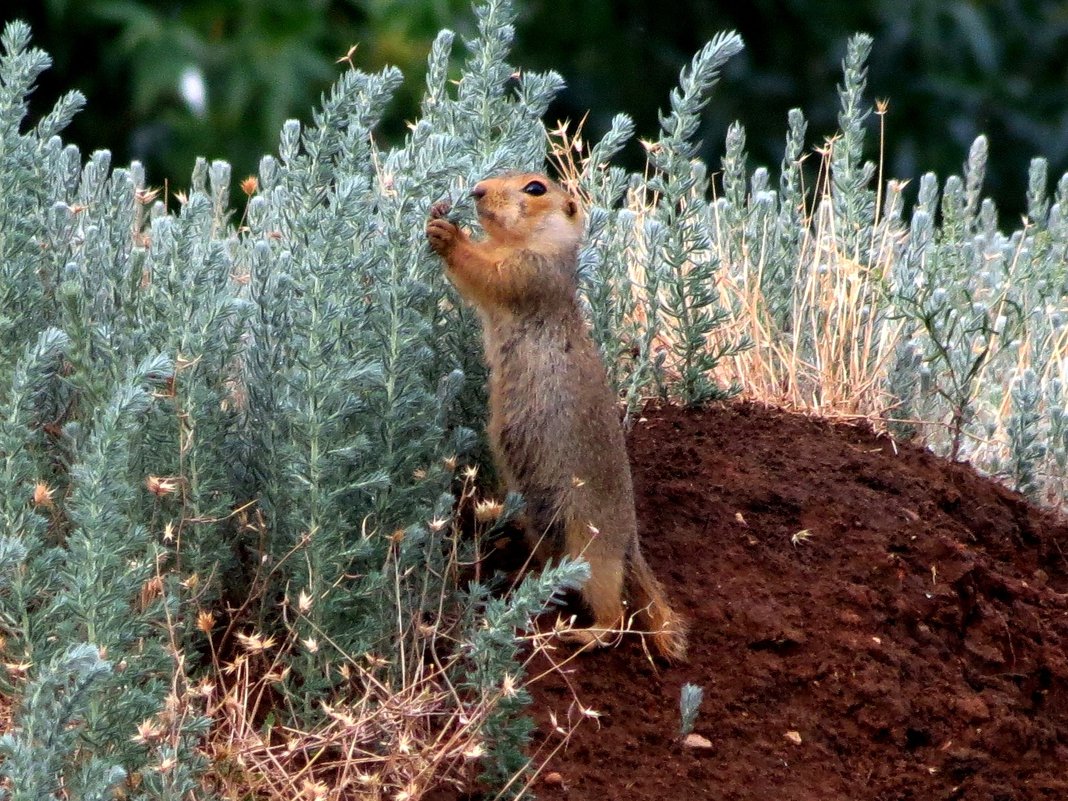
{"x":869,"y":622}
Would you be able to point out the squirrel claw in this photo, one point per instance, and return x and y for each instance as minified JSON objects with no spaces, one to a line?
{"x":440,"y":209}
{"x":441,"y":234}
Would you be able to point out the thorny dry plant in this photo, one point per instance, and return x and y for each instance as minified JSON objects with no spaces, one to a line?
{"x":832,"y":306}
{"x":400,"y":729}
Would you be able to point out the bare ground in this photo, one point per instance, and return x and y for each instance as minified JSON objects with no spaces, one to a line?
{"x":868,"y":622}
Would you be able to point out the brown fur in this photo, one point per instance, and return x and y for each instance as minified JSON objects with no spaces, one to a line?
{"x":554,"y":426}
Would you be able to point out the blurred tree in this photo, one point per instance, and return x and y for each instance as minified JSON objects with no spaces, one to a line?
{"x":950,"y":69}
{"x":170,"y":80}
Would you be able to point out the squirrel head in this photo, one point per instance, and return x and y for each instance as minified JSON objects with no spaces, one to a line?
{"x":529,"y":211}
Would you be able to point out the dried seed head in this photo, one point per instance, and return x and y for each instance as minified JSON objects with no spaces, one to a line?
{"x":151,"y":590}
{"x":172,"y":704}
{"x":488,"y":510}
{"x":509,"y":686}
{"x":276,"y":676}
{"x":162,"y":485}
{"x":235,"y":665}
{"x":42,"y":495}
{"x":205,"y":621}
{"x":347,"y":58}
{"x":313,"y":790}
{"x":17,"y":669}
{"x":250,"y":185}
{"x":148,"y":731}
{"x":255,"y":643}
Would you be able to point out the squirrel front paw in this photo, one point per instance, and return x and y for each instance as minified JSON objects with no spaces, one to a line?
{"x":441,"y":234}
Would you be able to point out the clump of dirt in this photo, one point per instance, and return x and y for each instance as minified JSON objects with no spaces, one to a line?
{"x":868,"y":622}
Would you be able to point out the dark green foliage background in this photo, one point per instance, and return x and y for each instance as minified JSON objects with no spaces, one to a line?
{"x":950,"y":68}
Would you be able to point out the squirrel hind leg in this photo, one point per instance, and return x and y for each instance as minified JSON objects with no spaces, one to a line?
{"x":603,"y":594}
{"x":543,"y":531}
{"x":665,"y":629}
{"x":670,"y":641}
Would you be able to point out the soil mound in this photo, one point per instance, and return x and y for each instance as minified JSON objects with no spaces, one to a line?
{"x":868,"y":622}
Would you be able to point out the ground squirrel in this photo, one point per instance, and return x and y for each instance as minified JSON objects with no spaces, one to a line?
{"x":554,"y":426}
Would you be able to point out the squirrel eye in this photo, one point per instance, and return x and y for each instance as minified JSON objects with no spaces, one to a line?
{"x":536,"y":188}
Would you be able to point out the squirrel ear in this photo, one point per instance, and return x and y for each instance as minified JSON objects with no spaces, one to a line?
{"x":571,"y":207}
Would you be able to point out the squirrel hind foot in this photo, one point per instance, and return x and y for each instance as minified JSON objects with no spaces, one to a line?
{"x":666,"y":631}
{"x":670,"y":644}
{"x":588,"y":638}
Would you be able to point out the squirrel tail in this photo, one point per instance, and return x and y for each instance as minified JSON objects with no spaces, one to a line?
{"x":651,"y":610}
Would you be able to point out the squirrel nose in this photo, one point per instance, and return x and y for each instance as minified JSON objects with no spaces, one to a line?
{"x":478,"y":192}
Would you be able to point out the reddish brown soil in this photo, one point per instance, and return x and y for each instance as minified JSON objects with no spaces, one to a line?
{"x":914,"y":641}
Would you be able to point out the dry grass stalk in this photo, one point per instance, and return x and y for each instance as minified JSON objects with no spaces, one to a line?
{"x":834,"y":361}
{"x":401,"y":728}
{"x":835,"y":306}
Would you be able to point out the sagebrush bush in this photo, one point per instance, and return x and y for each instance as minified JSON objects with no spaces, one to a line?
{"x":230,"y":439}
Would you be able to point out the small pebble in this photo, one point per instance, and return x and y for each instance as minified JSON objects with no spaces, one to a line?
{"x":693,"y":740}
